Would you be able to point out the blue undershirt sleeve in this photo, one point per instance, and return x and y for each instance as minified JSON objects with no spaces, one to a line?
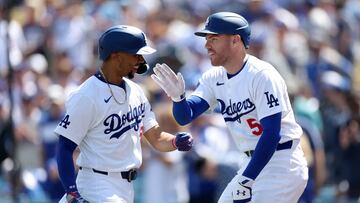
{"x":65,"y":163}
{"x":187,"y":110}
{"x":266,"y":145}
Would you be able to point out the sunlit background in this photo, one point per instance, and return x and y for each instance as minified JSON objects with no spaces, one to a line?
{"x":48,"y":47}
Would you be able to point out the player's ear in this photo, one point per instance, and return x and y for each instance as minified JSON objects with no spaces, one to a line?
{"x":117,"y":57}
{"x":236,"y":39}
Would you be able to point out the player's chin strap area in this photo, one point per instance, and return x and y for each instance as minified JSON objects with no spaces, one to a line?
{"x":129,"y":175}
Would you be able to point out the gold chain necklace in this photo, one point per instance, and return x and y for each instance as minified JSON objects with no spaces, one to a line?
{"x":111,"y":92}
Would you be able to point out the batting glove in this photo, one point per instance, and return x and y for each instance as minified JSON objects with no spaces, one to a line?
{"x":172,"y":84}
{"x":74,"y":197}
{"x":183,"y":141}
{"x":242,"y":192}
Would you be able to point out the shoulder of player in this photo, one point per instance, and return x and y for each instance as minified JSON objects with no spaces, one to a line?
{"x":132,"y":84}
{"x":79,"y":98}
{"x":214,"y":72}
{"x":85,"y":91}
{"x":260,"y":69}
{"x":135,"y":88}
{"x":257,"y":65}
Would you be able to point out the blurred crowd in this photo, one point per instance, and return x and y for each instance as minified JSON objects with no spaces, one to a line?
{"x":52,"y":47}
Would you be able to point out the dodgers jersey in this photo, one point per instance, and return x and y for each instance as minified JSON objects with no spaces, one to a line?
{"x":107,"y":133}
{"x":255,"y":92}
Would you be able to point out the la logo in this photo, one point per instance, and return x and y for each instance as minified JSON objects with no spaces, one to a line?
{"x":271,"y":100}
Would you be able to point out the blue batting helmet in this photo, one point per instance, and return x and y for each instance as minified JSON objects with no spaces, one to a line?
{"x":124,"y":38}
{"x":227,"y":23}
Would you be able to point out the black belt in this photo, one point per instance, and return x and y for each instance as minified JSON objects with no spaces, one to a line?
{"x":281,"y":146}
{"x":127,"y":175}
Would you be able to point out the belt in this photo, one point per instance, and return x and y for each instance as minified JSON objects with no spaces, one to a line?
{"x":281,"y":146}
{"x":127,"y":175}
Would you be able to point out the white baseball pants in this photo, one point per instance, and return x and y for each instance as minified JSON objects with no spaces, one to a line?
{"x":99,"y":188}
{"x":282,"y":180}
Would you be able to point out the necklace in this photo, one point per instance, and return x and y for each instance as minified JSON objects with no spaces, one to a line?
{"x":111,"y":92}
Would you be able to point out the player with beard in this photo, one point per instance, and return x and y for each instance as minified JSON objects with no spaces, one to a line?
{"x":253,"y":100}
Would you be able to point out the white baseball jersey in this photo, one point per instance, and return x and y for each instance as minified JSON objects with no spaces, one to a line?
{"x":257,"y":91}
{"x":108,"y":134}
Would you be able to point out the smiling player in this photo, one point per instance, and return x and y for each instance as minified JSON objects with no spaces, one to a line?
{"x":253,"y":100}
{"x":106,"y":117}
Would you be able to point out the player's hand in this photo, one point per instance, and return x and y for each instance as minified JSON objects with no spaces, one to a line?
{"x":242,"y":192}
{"x":172,"y":84}
{"x":74,"y":197}
{"x":183,"y":141}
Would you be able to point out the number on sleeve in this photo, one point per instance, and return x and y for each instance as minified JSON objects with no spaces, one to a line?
{"x":65,"y":122}
{"x":255,"y":126}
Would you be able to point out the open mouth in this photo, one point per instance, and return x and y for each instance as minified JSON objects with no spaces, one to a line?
{"x":211,"y":53}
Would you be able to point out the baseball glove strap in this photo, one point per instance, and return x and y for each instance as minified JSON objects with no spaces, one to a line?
{"x":129,"y":175}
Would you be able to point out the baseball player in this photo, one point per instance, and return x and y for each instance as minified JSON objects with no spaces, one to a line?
{"x":106,"y":117}
{"x":252,"y":97}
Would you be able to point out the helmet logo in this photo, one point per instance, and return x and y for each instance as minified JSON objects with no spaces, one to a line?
{"x":207,"y":22}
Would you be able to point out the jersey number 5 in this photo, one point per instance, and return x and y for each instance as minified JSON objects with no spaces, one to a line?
{"x":255,"y":126}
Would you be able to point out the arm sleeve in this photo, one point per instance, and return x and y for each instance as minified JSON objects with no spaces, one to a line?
{"x":266,"y":145}
{"x":188,"y":109}
{"x":65,"y":163}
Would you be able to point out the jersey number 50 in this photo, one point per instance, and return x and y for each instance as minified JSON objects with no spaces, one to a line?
{"x":255,"y":126}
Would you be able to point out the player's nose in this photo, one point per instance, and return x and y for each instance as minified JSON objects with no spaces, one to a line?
{"x":207,"y":44}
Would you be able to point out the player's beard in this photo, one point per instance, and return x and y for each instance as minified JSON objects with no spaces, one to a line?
{"x":217,"y":60}
{"x":131,"y":74}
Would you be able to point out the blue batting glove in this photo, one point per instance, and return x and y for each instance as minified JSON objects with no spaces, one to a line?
{"x":183,"y":141}
{"x":242,"y":192}
{"x":74,"y":197}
